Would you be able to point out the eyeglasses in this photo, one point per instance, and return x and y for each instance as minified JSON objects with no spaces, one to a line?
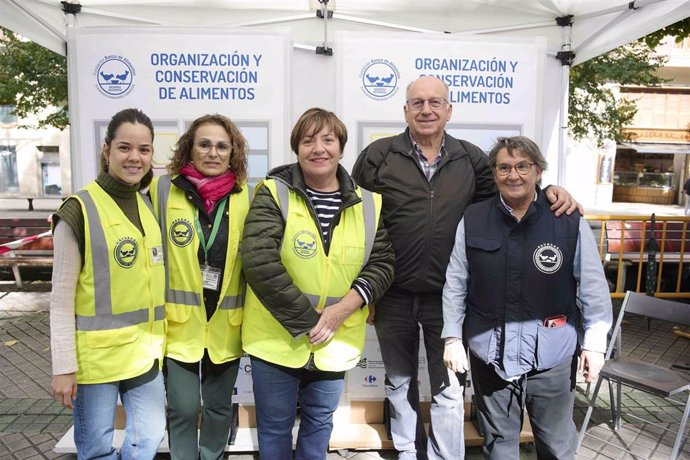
{"x":435,"y":103}
{"x":223,"y":149}
{"x":522,"y":168}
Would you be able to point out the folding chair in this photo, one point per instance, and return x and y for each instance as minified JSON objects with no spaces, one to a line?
{"x":639,"y":375}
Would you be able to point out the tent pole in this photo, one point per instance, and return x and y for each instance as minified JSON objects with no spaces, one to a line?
{"x":325,"y":14}
{"x":566,"y":56}
{"x":76,"y":174}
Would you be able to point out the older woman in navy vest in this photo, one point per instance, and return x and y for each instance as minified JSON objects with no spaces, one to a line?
{"x":521,"y":285}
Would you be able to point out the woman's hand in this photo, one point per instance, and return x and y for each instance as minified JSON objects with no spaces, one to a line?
{"x":332,"y":316}
{"x":65,"y":389}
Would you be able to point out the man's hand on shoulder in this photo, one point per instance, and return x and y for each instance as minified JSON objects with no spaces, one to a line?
{"x":561,"y":201}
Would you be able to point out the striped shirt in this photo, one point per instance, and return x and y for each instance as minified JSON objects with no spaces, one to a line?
{"x":326,"y":205}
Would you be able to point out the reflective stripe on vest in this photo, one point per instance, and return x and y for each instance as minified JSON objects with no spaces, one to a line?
{"x":188,"y":298}
{"x":104,"y":318}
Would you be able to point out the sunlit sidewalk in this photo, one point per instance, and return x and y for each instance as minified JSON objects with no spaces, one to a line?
{"x":31,"y":422}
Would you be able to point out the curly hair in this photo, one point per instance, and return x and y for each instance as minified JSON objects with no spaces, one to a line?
{"x":182,"y":153}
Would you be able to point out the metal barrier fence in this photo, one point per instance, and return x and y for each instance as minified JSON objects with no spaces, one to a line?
{"x":644,"y":254}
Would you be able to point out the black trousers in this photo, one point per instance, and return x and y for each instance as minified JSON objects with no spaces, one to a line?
{"x":548,"y":396}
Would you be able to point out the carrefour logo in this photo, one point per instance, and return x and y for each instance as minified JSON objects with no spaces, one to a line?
{"x":114,"y":76}
{"x":379,"y":78}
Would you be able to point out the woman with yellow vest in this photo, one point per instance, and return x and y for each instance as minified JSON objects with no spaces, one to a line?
{"x":107,"y":304}
{"x":201,"y":206}
{"x":315,"y":253}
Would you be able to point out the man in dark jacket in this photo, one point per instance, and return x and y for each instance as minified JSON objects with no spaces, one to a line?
{"x":426,"y":178}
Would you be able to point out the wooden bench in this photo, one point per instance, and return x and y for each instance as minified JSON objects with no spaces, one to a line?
{"x":25,"y":258}
{"x":38,"y":253}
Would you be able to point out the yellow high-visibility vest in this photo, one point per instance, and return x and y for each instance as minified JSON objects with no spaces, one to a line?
{"x":189,"y":332}
{"x":120,"y":314}
{"x":323,"y":279}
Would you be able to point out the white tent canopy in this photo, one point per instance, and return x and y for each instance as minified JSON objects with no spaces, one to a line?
{"x":597,"y":25}
{"x":586,"y":28}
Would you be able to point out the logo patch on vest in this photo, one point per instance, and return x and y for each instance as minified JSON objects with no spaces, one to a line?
{"x":181,"y":233}
{"x":126,"y":252}
{"x":547,"y":258}
{"x":304,"y":244}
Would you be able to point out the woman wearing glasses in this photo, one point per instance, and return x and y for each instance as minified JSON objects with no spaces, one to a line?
{"x":520,"y":284}
{"x":201,"y":206}
{"x":315,"y":255}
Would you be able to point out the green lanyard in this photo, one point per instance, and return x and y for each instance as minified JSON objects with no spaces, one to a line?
{"x":214,"y":231}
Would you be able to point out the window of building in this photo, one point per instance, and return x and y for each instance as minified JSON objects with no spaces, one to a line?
{"x":7,"y":117}
{"x":9,"y":179}
{"x":51,"y":182}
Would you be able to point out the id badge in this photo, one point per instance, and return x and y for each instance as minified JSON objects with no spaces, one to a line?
{"x":210,"y":277}
{"x":157,"y":255}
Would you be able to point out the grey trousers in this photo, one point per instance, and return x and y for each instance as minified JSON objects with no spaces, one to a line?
{"x":186,"y":385}
{"x":548,"y":396}
{"x":399,"y":317}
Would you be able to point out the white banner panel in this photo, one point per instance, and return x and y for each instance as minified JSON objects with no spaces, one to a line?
{"x":494,"y":84}
{"x":174,"y":76}
{"x":366,"y":381}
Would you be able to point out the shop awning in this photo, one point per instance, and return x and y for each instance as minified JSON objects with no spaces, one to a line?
{"x":652,"y":147}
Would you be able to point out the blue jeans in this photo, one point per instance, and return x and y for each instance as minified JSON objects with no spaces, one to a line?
{"x":277,"y":390}
{"x":399,"y":314}
{"x":143,"y":398}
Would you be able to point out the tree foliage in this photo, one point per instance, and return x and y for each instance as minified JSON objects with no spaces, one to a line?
{"x":679,"y":30}
{"x":595,"y":106}
{"x":34,"y":80}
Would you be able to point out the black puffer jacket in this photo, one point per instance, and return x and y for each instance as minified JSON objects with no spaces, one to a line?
{"x":421,"y":216}
{"x":260,"y":251}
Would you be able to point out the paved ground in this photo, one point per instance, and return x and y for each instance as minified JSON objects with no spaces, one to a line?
{"x":31,"y":423}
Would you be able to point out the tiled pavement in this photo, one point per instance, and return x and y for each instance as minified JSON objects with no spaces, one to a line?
{"x":31,"y":422}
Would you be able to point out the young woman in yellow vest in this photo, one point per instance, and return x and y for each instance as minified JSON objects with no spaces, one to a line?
{"x":201,"y":206}
{"x":315,"y":253}
{"x":107,"y":305}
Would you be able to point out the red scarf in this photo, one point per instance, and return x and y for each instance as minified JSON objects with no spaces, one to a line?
{"x":211,"y":189}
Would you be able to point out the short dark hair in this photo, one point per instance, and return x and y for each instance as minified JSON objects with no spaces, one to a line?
{"x":522,"y":144}
{"x":182,"y":152}
{"x":314,"y":120}
{"x":134,"y":116}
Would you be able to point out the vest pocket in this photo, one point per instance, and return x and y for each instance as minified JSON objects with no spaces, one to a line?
{"x":555,"y":345}
{"x":178,"y":313}
{"x":357,"y":318}
{"x":112,"y":337}
{"x":482,"y":243}
{"x":235,"y":316}
{"x":352,"y":255}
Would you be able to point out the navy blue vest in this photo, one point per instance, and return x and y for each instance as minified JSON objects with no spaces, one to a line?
{"x":520,"y":274}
